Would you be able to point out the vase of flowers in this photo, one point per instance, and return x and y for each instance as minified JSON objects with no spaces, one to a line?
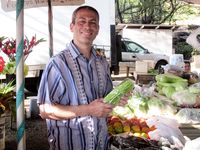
{"x":8,"y":47}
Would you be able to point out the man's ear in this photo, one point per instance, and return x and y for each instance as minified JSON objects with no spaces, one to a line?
{"x":71,"y":27}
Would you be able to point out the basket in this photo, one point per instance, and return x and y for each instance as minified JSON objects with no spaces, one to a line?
{"x":128,"y":142}
{"x":2,"y":132}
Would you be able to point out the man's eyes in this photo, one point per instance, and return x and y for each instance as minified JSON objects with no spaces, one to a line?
{"x":84,"y":21}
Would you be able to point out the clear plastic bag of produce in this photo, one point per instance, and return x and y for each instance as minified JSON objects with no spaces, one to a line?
{"x":195,"y":88}
{"x":167,"y":129}
{"x":185,"y":98}
{"x":146,"y":91}
{"x":188,"y":115}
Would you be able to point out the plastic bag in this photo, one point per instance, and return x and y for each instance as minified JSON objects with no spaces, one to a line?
{"x":192,"y":145}
{"x":166,"y":128}
{"x":184,"y":98}
{"x":188,"y":115}
{"x":146,"y":90}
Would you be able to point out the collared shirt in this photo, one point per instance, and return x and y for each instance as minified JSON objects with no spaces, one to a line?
{"x":58,"y":85}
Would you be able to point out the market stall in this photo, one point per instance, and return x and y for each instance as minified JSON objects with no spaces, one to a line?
{"x":162,"y":115}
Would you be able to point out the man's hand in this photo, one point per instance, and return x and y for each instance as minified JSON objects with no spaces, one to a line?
{"x":124,"y":100}
{"x":100,"y":109}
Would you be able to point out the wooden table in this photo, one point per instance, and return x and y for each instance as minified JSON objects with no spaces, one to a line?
{"x":127,"y":65}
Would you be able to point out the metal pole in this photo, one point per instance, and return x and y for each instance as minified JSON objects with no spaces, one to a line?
{"x":21,"y":145}
{"x":50,"y":24}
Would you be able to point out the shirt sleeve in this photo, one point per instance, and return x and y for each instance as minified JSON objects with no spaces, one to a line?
{"x":52,"y":88}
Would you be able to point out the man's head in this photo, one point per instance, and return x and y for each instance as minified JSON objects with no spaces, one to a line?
{"x":85,"y":25}
{"x":86,"y":8}
{"x":187,"y":66}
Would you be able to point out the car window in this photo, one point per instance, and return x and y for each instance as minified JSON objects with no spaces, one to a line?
{"x":133,"y":47}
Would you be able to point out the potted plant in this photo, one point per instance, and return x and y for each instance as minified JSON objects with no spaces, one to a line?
{"x":7,"y":103}
{"x":7,"y":97}
{"x":7,"y":92}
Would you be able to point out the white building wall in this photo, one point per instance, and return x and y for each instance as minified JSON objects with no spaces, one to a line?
{"x":36,"y":22}
{"x":155,"y":40}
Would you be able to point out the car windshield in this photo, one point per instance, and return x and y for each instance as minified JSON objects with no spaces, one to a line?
{"x":134,"y":47}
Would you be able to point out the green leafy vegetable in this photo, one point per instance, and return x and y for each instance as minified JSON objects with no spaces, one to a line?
{"x":123,"y":88}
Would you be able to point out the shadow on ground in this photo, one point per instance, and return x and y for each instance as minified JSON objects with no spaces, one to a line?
{"x":36,"y":134}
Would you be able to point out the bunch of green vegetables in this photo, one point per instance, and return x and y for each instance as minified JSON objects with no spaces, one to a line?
{"x":142,"y":106}
{"x":123,"y":88}
{"x":167,"y":84}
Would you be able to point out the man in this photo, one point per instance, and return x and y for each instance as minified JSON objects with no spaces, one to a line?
{"x":187,"y":68}
{"x":72,"y":88}
{"x":192,"y":77}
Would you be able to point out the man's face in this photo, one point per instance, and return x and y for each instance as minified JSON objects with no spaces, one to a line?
{"x":86,"y":27}
{"x":187,"y":67}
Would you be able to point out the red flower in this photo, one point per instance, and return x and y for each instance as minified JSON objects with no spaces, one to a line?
{"x":2,"y":64}
{"x":9,"y":46}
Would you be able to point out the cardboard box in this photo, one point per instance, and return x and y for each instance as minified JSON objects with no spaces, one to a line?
{"x":196,"y":60}
{"x":194,"y":65}
{"x":143,"y":78}
{"x":150,"y":63}
{"x":141,"y":66}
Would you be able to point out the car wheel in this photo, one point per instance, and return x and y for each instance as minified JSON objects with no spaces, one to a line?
{"x":159,"y":65}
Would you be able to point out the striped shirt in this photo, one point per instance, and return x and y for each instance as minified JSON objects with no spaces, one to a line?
{"x":71,"y":79}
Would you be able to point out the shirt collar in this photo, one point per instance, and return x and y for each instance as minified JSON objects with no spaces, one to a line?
{"x":75,"y":51}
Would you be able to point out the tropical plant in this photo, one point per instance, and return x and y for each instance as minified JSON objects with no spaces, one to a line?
{"x":7,"y":98}
{"x":8,"y":47}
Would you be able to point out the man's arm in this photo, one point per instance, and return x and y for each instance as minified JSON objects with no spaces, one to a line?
{"x":96,"y":108}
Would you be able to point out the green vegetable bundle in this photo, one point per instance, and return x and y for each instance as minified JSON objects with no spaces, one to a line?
{"x":169,"y":78}
{"x":168,"y":84}
{"x":123,"y":88}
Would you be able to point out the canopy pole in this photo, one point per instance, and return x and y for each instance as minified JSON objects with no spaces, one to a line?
{"x":21,"y":145}
{"x":50,"y":24}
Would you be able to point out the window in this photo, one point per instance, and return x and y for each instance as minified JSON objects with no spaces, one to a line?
{"x":133,"y":47}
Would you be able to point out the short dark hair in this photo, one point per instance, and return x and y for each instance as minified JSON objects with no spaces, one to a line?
{"x":83,"y":7}
{"x":187,"y":62}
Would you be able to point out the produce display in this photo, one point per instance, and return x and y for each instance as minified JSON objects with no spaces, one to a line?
{"x":143,"y":107}
{"x":133,"y":126}
{"x":170,"y":97}
{"x":167,"y":84}
{"x":127,"y":142}
{"x":177,"y":89}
